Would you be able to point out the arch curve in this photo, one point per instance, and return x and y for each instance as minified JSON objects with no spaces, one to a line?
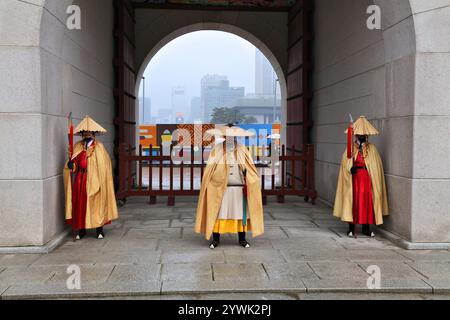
{"x":224,"y":28}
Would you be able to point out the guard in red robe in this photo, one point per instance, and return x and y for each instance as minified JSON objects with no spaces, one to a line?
{"x":363,"y":212}
{"x":88,"y":182}
{"x":361,"y":196}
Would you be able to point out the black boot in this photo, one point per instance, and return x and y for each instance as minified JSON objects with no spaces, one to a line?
{"x":81,"y":234}
{"x":366,"y":231}
{"x":100,"y":234}
{"x":216,"y":241}
{"x":351,"y":230}
{"x":242,"y":240}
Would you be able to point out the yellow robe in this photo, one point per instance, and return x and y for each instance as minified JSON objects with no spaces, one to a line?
{"x":101,"y":206}
{"x":343,"y":204}
{"x":214,"y":184}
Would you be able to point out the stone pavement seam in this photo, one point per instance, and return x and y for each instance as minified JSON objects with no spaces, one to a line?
{"x":109,"y":276}
{"x":160,"y":276}
{"x":315,"y":223}
{"x":434,"y":289}
{"x":270,"y":214}
{"x":314,"y":271}
{"x":416,"y":270}
{"x":283,"y":255}
{"x":2,"y":292}
{"x":399,"y":252}
{"x":265,"y":270}
{"x":284,"y":231}
{"x":335,"y":232}
{"x":51,"y":277}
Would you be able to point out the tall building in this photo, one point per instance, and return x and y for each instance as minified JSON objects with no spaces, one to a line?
{"x":145,"y":107}
{"x":216,"y":92}
{"x":178,"y":100}
{"x":196,"y":110}
{"x":264,"y":75}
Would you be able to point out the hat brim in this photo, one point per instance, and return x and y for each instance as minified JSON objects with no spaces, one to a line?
{"x":230,"y":132}
{"x":238,"y":132}
{"x":214,"y":132}
{"x":97,"y":133}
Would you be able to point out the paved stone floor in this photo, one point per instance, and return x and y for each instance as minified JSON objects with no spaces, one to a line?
{"x":153,"y":253}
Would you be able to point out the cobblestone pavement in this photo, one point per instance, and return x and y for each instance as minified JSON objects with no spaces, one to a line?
{"x":152,"y":252}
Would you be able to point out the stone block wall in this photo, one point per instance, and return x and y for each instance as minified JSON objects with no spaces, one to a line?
{"x":47,"y":72}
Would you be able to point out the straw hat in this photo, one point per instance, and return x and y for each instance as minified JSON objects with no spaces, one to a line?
{"x":88,"y":124}
{"x":230,"y":132}
{"x":362,"y":127}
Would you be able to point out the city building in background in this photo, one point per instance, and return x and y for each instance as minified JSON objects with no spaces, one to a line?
{"x":145,"y":108}
{"x":195,"y":113}
{"x":265,"y":78}
{"x":178,"y":101}
{"x":265,"y":109}
{"x":216,"y":93}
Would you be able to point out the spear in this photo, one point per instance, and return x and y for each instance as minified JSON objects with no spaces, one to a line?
{"x":70,"y":136}
{"x":350,"y":138}
{"x":350,"y":153}
{"x":244,"y":200}
{"x":70,"y":125}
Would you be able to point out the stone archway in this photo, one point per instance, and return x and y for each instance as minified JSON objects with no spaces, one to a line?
{"x":47,"y":69}
{"x":226,"y":28}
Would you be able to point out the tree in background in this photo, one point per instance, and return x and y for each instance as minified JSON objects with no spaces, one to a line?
{"x":230,"y":115}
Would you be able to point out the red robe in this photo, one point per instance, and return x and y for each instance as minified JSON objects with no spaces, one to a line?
{"x":363,"y":212}
{"x":79,"y":193}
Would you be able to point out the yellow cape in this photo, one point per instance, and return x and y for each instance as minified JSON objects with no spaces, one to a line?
{"x":343,"y":204}
{"x":214,"y":184}
{"x":101,"y":200}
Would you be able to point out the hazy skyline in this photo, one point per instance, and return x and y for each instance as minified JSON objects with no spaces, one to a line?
{"x":186,"y":59}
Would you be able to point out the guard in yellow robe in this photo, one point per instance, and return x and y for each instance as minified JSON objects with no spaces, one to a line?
{"x":230,"y":196}
{"x":88,"y":183}
{"x":361,"y":196}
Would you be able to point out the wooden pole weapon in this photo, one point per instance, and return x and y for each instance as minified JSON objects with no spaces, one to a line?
{"x":70,"y":136}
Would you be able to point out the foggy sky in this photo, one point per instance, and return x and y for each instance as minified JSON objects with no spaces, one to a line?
{"x":185,"y":60}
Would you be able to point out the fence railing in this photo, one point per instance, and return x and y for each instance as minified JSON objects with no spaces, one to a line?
{"x":154,"y":174}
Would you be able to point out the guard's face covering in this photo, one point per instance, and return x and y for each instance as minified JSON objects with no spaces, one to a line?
{"x":362,"y":139}
{"x":88,"y":136}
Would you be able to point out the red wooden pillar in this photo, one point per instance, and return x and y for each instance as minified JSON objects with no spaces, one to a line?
{"x":299,"y":83}
{"x":125,"y":78}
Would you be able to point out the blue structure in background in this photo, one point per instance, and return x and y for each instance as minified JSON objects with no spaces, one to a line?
{"x":261,"y":131}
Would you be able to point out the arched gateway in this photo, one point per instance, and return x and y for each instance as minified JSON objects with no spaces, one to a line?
{"x":332,"y":64}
